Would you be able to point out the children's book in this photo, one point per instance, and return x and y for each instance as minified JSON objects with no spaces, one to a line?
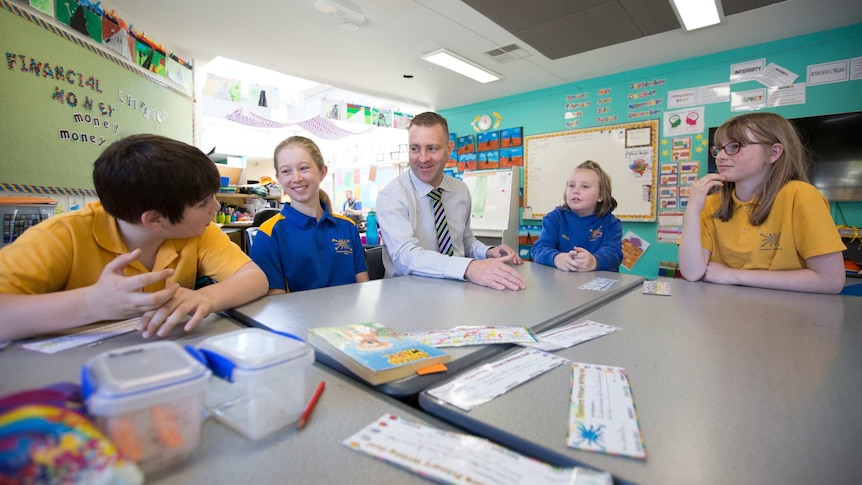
{"x":375,"y":352}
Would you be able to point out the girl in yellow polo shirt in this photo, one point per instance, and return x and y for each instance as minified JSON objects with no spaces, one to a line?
{"x":765,"y":226}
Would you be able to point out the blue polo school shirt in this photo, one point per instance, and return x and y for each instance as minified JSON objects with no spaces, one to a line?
{"x":308,"y":253}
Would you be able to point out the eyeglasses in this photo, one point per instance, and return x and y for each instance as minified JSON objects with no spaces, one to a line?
{"x":733,"y":147}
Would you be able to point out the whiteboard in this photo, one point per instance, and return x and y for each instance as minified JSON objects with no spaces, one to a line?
{"x":627,"y":152}
{"x":491,"y":192}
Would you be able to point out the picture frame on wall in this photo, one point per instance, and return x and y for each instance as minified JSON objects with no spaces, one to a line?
{"x":490,"y":140}
{"x":511,"y":137}
{"x":465,"y":144}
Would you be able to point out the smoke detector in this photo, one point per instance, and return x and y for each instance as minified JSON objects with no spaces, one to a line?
{"x":339,"y":10}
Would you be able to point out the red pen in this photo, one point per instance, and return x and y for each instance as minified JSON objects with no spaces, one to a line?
{"x":311,"y":404}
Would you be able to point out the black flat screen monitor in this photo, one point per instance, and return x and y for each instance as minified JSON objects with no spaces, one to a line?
{"x":835,"y":143}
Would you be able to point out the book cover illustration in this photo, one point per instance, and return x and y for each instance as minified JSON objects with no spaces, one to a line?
{"x":376,"y":346}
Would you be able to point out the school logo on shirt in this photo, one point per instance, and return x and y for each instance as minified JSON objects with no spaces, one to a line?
{"x":595,"y":234}
{"x":770,"y":242}
{"x":342,"y":246}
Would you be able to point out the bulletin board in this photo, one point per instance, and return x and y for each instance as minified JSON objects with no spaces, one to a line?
{"x":491,"y":193}
{"x":65,"y":99}
{"x":628,"y":152}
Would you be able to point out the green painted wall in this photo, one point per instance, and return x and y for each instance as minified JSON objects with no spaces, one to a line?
{"x":543,"y":111}
{"x":111,"y":99}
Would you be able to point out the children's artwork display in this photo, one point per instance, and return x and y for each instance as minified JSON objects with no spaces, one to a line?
{"x":634,"y":247}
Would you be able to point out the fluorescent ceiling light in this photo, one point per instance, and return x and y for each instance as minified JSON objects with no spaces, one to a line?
{"x":695,"y":14}
{"x":462,"y":66}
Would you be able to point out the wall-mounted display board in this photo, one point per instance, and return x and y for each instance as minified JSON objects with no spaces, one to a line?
{"x":64,"y":99}
{"x":494,"y":215}
{"x":627,"y":152}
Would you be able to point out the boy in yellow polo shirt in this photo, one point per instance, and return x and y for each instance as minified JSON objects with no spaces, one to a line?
{"x":135,"y":253}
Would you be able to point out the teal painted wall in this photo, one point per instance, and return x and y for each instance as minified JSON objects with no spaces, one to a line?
{"x":543,"y":111}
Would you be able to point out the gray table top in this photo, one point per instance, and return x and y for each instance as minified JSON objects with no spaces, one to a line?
{"x":413,"y":303}
{"x":312,"y":455}
{"x":731,"y":385}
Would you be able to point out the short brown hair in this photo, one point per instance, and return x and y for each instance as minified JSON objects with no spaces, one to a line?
{"x":145,"y":172}
{"x":430,"y":118}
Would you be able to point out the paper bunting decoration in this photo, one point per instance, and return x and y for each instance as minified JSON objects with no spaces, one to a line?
{"x":317,"y":125}
{"x":328,"y":130}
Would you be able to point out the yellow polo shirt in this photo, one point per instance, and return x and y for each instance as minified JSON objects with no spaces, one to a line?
{"x":70,"y":251}
{"x":798,"y":227}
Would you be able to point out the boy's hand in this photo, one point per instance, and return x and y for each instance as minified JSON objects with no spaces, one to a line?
{"x":120,"y":297}
{"x":185,"y":303}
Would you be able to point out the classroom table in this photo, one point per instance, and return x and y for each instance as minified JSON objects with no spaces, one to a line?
{"x":313,"y":455}
{"x":731,"y":385}
{"x":413,"y":303}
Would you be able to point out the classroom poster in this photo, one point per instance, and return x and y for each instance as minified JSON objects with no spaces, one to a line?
{"x":634,"y":247}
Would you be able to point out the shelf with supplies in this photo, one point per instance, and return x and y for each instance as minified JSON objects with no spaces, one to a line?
{"x":237,"y":195}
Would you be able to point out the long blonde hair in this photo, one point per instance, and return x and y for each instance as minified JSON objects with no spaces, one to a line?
{"x":767,"y":128}
{"x":309,"y":146}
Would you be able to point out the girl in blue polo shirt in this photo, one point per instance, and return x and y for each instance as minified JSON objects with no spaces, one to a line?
{"x":306,"y":246}
{"x":582,"y":234}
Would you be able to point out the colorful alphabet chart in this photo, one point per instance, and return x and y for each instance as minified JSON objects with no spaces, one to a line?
{"x":447,"y":457}
{"x":602,"y":415}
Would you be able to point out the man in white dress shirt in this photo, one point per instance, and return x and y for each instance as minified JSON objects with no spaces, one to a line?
{"x":406,"y":217}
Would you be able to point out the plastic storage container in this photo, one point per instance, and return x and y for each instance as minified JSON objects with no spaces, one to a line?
{"x":148,"y":399}
{"x":261,"y":384}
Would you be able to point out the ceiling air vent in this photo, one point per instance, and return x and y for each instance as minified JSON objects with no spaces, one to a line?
{"x":507,"y":53}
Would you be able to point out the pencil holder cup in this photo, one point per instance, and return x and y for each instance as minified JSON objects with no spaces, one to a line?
{"x":260,"y":384}
{"x":148,"y":399}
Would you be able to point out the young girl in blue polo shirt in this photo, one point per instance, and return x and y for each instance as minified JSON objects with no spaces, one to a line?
{"x":582,"y":234}
{"x":306,"y":246}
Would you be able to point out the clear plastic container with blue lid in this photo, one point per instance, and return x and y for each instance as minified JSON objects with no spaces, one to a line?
{"x":261,"y":380}
{"x":148,"y":399}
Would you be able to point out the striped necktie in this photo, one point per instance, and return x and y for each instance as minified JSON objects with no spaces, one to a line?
{"x":441,"y":227}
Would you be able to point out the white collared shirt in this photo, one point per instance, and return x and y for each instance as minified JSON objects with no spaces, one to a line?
{"x":406,"y":219}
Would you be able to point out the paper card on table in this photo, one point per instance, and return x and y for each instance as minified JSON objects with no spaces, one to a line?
{"x":486,"y":382}
{"x":602,"y":415}
{"x":569,"y":335}
{"x":598,"y":284}
{"x":475,"y":335}
{"x":95,"y":334}
{"x":440,"y":456}
{"x":656,"y":288}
